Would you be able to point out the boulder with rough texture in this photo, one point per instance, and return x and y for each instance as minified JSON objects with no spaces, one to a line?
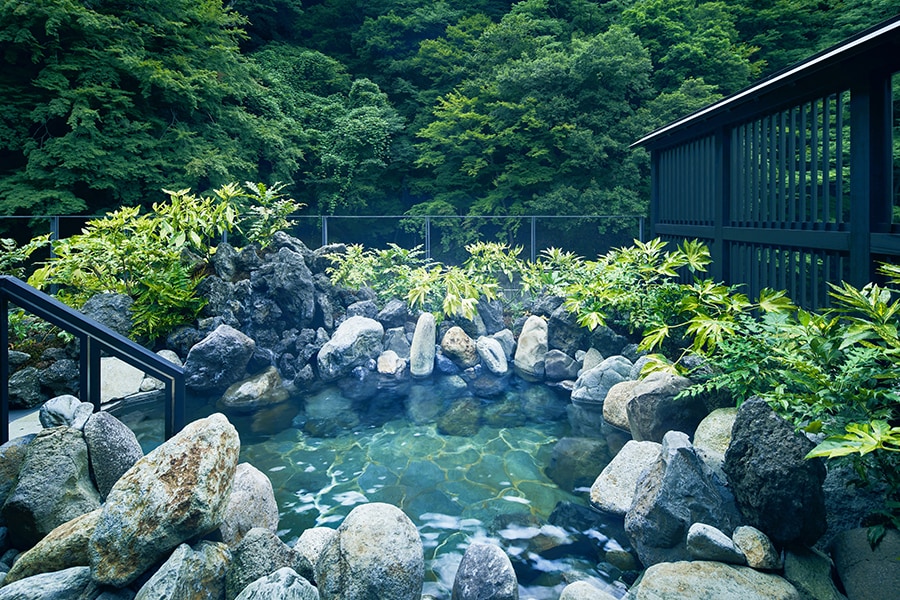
{"x":252,"y":504}
{"x":810,"y":572}
{"x":61,"y":377}
{"x":422,"y":348}
{"x":312,"y":541}
{"x":218,"y":360}
{"x":485,"y":572}
{"x":613,"y":490}
{"x":285,"y":279}
{"x":777,"y":490}
{"x":54,"y":486}
{"x":559,"y":366}
{"x":615,"y":406}
{"x":12,"y":455}
{"x":376,"y":554}
{"x":702,"y":580}
{"x":112,"y":310}
{"x":69,"y":584}
{"x":756,"y":547}
{"x":355,"y":342}
{"x":62,"y":548}
{"x":178,"y":491}
{"x":459,"y":347}
{"x":672,"y":495}
{"x":705,"y":542}
{"x":867,"y":574}
{"x":65,"y":411}
{"x":394,"y":314}
{"x":656,"y":407}
{"x":593,"y":385}
{"x":189,"y":574}
{"x":25,"y":388}
{"x":283,"y":584}
{"x":259,"y":391}
{"x":564,"y":332}
{"x":582,"y":590}
{"x":492,"y":355}
{"x":112,"y":447}
{"x":258,"y":554}
{"x":531,"y":348}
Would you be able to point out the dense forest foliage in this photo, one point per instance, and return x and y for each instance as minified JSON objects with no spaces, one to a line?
{"x":488,"y":107}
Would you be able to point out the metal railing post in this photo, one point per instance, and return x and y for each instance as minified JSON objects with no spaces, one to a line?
{"x":4,"y":370}
{"x":533,"y":238}
{"x":427,"y":237}
{"x":324,"y":230}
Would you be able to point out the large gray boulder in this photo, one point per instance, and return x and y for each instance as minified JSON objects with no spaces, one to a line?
{"x":113,"y":449}
{"x":197,"y":572}
{"x":492,"y":355}
{"x":559,"y":366}
{"x":112,"y":310}
{"x":613,"y":490}
{"x":615,"y":406}
{"x":25,"y":388}
{"x":54,"y":486}
{"x":61,"y":377}
{"x":65,"y":411}
{"x":283,"y":584}
{"x":593,"y":385}
{"x":705,"y":542}
{"x":582,"y":590}
{"x":676,"y":492}
{"x":459,"y":347}
{"x":251,"y":504}
{"x":376,"y":554}
{"x":422,"y":350}
{"x":312,"y":542}
{"x":12,"y":455}
{"x":285,"y":279}
{"x":218,"y":360}
{"x":62,"y":548}
{"x":704,"y":580}
{"x":178,"y":491}
{"x":259,"y":391}
{"x":777,"y":490}
{"x":564,"y":332}
{"x":70,"y":584}
{"x":259,"y":554}
{"x":657,"y":409}
{"x":713,"y":436}
{"x":867,"y":573}
{"x":531,"y":348}
{"x":355,"y":342}
{"x":485,"y":572}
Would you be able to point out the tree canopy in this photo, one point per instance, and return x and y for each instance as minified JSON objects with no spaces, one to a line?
{"x":483,"y":108}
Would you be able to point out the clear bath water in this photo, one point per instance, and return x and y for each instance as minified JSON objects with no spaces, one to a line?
{"x":488,"y":487}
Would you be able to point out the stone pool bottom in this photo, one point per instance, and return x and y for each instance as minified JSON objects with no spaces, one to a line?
{"x":488,"y":487}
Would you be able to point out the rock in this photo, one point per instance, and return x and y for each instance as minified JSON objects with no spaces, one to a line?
{"x":712,"y":437}
{"x":17,"y":359}
{"x":607,"y":341}
{"x":376,"y":554}
{"x":25,"y":388}
{"x":613,"y":490}
{"x":118,"y":379}
{"x":702,"y":580}
{"x":559,"y":366}
{"x":615,"y":406}
{"x":656,"y":409}
{"x":113,"y":449}
{"x":262,"y":390}
{"x":757,"y":548}
{"x":776,"y":489}
{"x":395,"y":340}
{"x":591,"y":359}
{"x":189,"y":573}
{"x":12,"y":455}
{"x":485,"y":572}
{"x":491,"y":314}
{"x":459,"y":347}
{"x":178,"y":491}
{"x":847,"y":505}
{"x":507,"y":341}
{"x":564,"y":332}
{"x":61,"y":377}
{"x":69,"y":584}
{"x":65,"y":410}
{"x":54,"y":486}
{"x":810,"y":572}
{"x":422,"y":349}
{"x":593,"y":385}
{"x":111,"y":310}
{"x":638,"y":367}
{"x":285,"y":279}
{"x":251,"y":504}
{"x":394,"y":314}
{"x":62,"y":548}
{"x":867,"y":574}
{"x":312,"y":542}
{"x":218,"y":360}
{"x":575,"y":461}
{"x":283,"y":584}
{"x":361,"y":383}
{"x":676,"y":492}
{"x":363,"y":308}
{"x":390,"y":364}
{"x":328,"y":413}
{"x":531,"y":348}
{"x":461,"y":418}
{"x":492,"y":355}
{"x":705,"y":542}
{"x":258,"y":554}
{"x":582,"y":590}
{"x":355,"y":342}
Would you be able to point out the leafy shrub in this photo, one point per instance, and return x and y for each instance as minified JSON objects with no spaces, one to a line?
{"x":14,"y":257}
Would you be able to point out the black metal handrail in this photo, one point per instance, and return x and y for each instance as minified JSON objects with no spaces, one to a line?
{"x":95,"y":339}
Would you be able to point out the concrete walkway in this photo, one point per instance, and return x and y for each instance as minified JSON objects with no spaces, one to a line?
{"x":23,"y":422}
